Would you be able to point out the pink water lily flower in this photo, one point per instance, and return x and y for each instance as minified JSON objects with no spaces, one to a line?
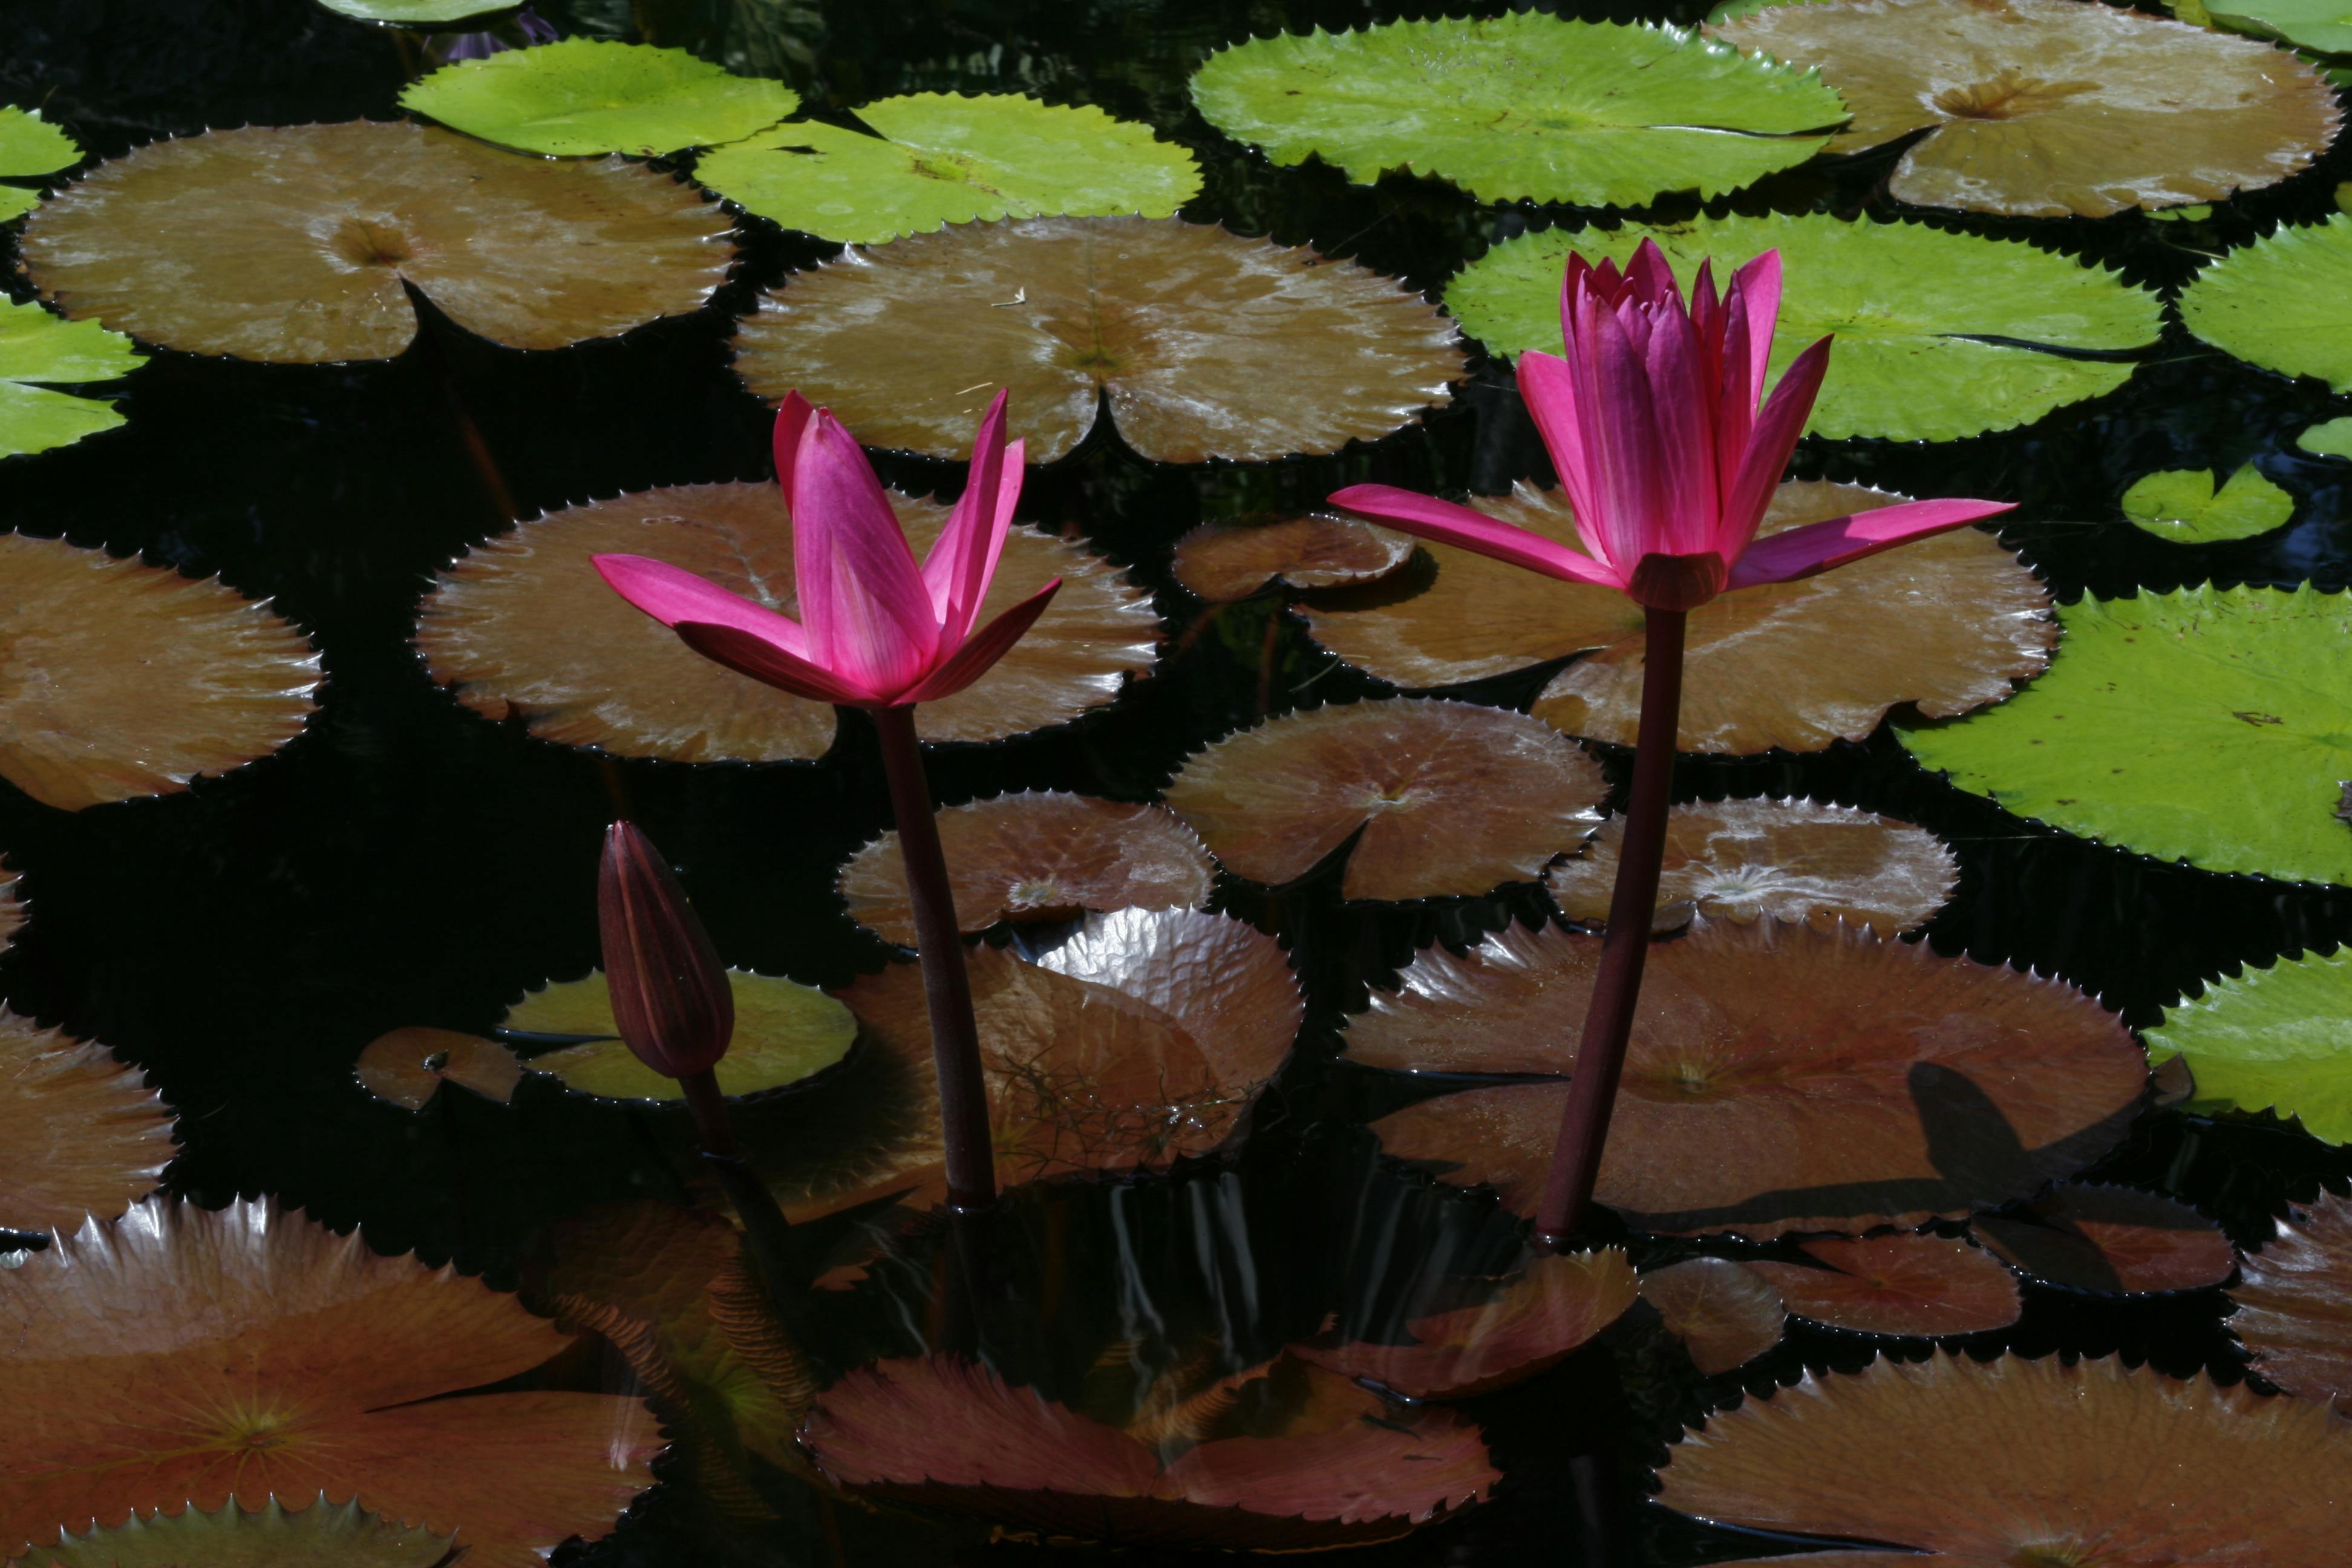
{"x":877,"y":629}
{"x":1657,"y":422}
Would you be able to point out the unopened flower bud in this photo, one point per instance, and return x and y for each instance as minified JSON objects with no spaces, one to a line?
{"x":670,"y":994}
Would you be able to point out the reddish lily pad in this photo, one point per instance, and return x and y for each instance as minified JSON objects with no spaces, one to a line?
{"x":1037,"y":856}
{"x":297,"y":244}
{"x":1440,"y":797}
{"x":407,"y":1066}
{"x":1222,"y":561}
{"x":523,"y":628}
{"x":12,"y":907}
{"x":1897,"y":1285}
{"x":2112,"y":1240}
{"x":1780,"y":1077}
{"x":1947,"y":623}
{"x":1724,"y":1313}
{"x":315,"y":1534}
{"x":1201,"y":344}
{"x":80,"y":1133}
{"x":2295,"y":1304}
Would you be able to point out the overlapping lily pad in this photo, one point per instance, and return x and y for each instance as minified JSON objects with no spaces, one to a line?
{"x":406,"y":1067}
{"x":2295,"y":1304}
{"x":2323,"y":26}
{"x":80,"y":1133}
{"x":1223,"y":561}
{"x":1946,"y":624}
{"x":178,"y":1356}
{"x":1523,"y":106}
{"x":1723,"y":1313}
{"x":2110,"y":1240}
{"x":147,"y":681}
{"x":2042,"y":108}
{"x":1437,"y":797}
{"x":39,"y":353}
{"x":2270,"y":1038}
{"x":30,"y":145}
{"x":417,"y":13}
{"x":578,"y":97}
{"x":1939,"y":334}
{"x":785,"y":1033}
{"x":1201,"y":344}
{"x":1780,"y":1077}
{"x":2182,"y":504}
{"x":1903,"y":1284}
{"x":938,"y":158}
{"x":2276,"y":303}
{"x":523,"y":628}
{"x":1037,"y":856}
{"x":297,"y":244}
{"x":2328,"y":439}
{"x":310,"y":1535}
{"x":2211,"y":725}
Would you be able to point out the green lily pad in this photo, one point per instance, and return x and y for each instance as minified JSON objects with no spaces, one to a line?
{"x":1523,"y":106}
{"x":36,"y":349}
{"x":418,"y":13}
{"x":273,"y":1536}
{"x":2331,"y":438}
{"x":2272,"y":1039}
{"x":939,"y":159}
{"x":2182,"y":504}
{"x":583,"y":95}
{"x":2279,"y":302}
{"x":2211,"y":725}
{"x":1939,"y":335}
{"x":30,"y":145}
{"x":784,"y":1032}
{"x":2325,"y":25}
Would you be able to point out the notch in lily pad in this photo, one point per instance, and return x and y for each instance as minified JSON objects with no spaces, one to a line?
{"x":39,"y":354}
{"x":30,"y":145}
{"x":580,"y":97}
{"x":2183,"y":505}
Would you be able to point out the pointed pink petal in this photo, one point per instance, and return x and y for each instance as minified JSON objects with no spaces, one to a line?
{"x":1756,"y":286}
{"x":1774,"y":437}
{"x":764,"y":662}
{"x":1684,"y":406}
{"x":1426,"y":517}
{"x":672,"y":594}
{"x":1652,"y":278}
{"x":1547,"y":387}
{"x":1625,"y":448}
{"x":956,"y":570}
{"x":1735,"y":401}
{"x":1708,"y":321}
{"x":862,"y":597}
{"x":983,"y":648}
{"x":1819,"y":546}
{"x":792,"y":418}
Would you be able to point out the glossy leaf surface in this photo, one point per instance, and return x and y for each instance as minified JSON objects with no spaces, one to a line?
{"x":578,"y":97}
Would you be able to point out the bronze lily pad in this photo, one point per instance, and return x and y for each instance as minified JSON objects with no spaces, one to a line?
{"x":1037,"y":856}
{"x":296,"y":244}
{"x":2112,"y":1240}
{"x":2042,"y":108}
{"x":1785,"y":859}
{"x":1222,"y":561}
{"x":1440,"y":797}
{"x":524,"y":627}
{"x":1723,"y":1313}
{"x":1778,"y":1079}
{"x":1897,"y":1285}
{"x":12,"y":907}
{"x":1201,"y":344}
{"x":1947,"y":623}
{"x":2295,"y":1304}
{"x":407,"y":1066}
{"x":80,"y":1133}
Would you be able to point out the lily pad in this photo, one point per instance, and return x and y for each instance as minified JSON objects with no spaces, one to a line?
{"x":37,"y":347}
{"x":1780,"y":1079}
{"x":1224,"y":561}
{"x":1902,"y":1285}
{"x":1522,"y":107}
{"x":1436,"y":797}
{"x":179,"y":1356}
{"x":418,"y":13}
{"x":2182,"y":504}
{"x":1201,"y":344}
{"x":1042,"y":855}
{"x":2330,"y":439}
{"x":1939,"y":335}
{"x":2295,"y":1304}
{"x":2323,"y":26}
{"x":578,"y":97}
{"x":407,"y":1066}
{"x":297,"y":244}
{"x":314,"y":1533}
{"x":785,"y":1033}
{"x":80,"y":1133}
{"x":938,"y":158}
{"x":1946,"y":624}
{"x":1723,"y":1313}
{"x":2211,"y":725}
{"x":523,"y":628}
{"x":2114,"y":1241}
{"x":30,"y":145}
{"x":2272,"y":1038}
{"x":2043,"y":108}
{"x":2278,"y":302}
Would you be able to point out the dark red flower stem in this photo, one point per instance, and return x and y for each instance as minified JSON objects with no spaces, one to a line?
{"x":766,"y":1236}
{"x":955,"y":1037}
{"x":1632,"y":906}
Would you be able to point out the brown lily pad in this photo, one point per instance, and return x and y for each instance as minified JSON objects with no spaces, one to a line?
{"x":180,"y":1356}
{"x":407,"y":1066}
{"x":80,"y":1133}
{"x":1555,"y":1305}
{"x":1780,"y":1079}
{"x":12,"y":905}
{"x":2026,"y":1462}
{"x":1037,"y":856}
{"x":523,"y":628}
{"x":1448,"y":797}
{"x":1787,"y":859}
{"x":2112,"y":1240}
{"x":1222,"y":561}
{"x":1897,"y":1285}
{"x":1947,"y":623}
{"x":2295,"y":1304}
{"x":297,"y":244}
{"x":1201,"y":344}
{"x":2042,"y":108}
{"x":1724,"y":1313}
{"x":147,"y":681}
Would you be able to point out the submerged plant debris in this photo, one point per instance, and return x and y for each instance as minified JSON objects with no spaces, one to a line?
{"x":1723,"y":1313}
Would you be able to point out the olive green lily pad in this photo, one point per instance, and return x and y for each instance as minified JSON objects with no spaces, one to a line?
{"x":784,"y":1032}
{"x":37,"y":348}
{"x":1939,"y":335}
{"x":2331,"y":439}
{"x":2325,"y":25}
{"x":30,"y":145}
{"x":2211,"y":725}
{"x":938,"y":158}
{"x":578,"y":97}
{"x":2271,"y":1039}
{"x":2279,"y":302}
{"x":272,"y":1536}
{"x":1522,"y":106}
{"x":2182,"y":504}
{"x":418,"y":13}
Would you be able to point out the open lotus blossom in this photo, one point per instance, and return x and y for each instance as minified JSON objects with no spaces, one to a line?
{"x":877,"y":630}
{"x":1657,"y":422}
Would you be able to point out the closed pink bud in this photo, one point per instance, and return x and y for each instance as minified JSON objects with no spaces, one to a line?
{"x":670,"y":995}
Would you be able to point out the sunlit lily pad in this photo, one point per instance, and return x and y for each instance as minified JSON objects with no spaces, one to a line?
{"x":1439,"y":797}
{"x":1042,"y":855}
{"x":1223,"y":561}
{"x":80,"y":1133}
{"x":418,"y":13}
{"x":2322,"y":26}
{"x":785,"y":1033}
{"x":938,"y":158}
{"x":1521,"y":106}
{"x":407,"y":1066}
{"x":583,"y":95}
{"x":2182,"y":504}
{"x":1780,"y":1077}
{"x":1723,"y":1313}
{"x":2211,"y":725}
{"x":147,"y":681}
{"x":2278,"y":302}
{"x":1939,"y":334}
{"x":180,"y":1355}
{"x":523,"y":628}
{"x":2042,"y":108}
{"x":1784,"y":860}
{"x":2328,"y":439}
{"x":38,"y":352}
{"x":1946,"y":624}
{"x":1903,"y":1284}
{"x":30,"y":145}
{"x":2295,"y":1304}
{"x":314,"y":1534}
{"x":2270,"y":1038}
{"x":1201,"y":344}
{"x":2111,"y":1241}
{"x":297,"y":244}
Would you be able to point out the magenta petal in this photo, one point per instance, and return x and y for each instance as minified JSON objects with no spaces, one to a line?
{"x":672,"y":594}
{"x":862,"y":597}
{"x":791,"y":420}
{"x":1684,"y":407}
{"x":957,"y":571}
{"x":1819,"y":546}
{"x":1426,"y":517}
{"x":1628,"y":459}
{"x":1757,"y":288}
{"x":745,"y":654}
{"x":1778,"y":427}
{"x":983,"y":648}
{"x":1547,"y":386}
